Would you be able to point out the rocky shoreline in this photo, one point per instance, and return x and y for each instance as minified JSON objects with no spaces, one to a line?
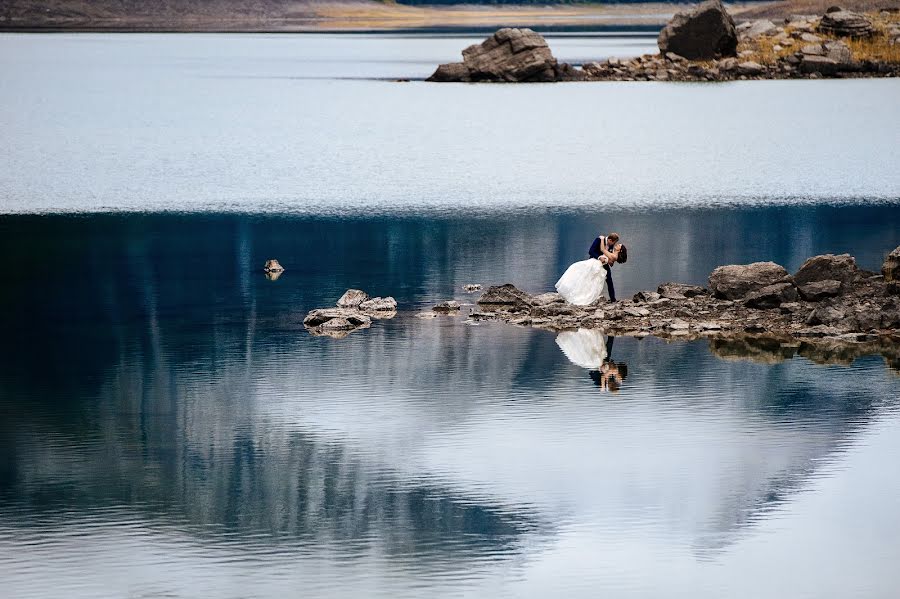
{"x":829,"y":308}
{"x":704,"y":45}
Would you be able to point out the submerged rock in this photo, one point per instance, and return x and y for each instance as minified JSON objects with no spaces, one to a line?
{"x":704,"y":33}
{"x":737,"y":280}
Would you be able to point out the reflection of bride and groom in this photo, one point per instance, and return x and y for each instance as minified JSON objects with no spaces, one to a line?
{"x":582,"y":284}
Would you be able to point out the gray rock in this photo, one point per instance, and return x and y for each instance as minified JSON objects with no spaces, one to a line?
{"x":352,"y":298}
{"x":818,"y":290}
{"x":448,"y":306}
{"x":704,"y":33}
{"x":379,"y":304}
{"x":505,"y":295}
{"x":771,"y":296}
{"x":820,"y":65}
{"x":891,"y":267}
{"x":510,"y":55}
{"x":826,"y":314}
{"x":636,"y":311}
{"x":680,"y":290}
{"x":813,"y":50}
{"x":544,"y":299}
{"x":645,"y":296}
{"x":750,"y":68}
{"x":319,"y":317}
{"x":273,"y":266}
{"x":809,"y":38}
{"x":838,"y":51}
{"x":827,"y":267}
{"x":471,"y":288}
{"x":760,"y":28}
{"x":845,"y":23}
{"x":735,"y":281}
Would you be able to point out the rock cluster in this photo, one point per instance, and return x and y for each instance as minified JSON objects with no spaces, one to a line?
{"x":704,"y":33}
{"x":828,"y":297}
{"x":509,"y":55}
{"x":355,"y":310}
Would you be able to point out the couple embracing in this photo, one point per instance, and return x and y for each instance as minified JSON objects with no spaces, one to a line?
{"x":585,"y":282}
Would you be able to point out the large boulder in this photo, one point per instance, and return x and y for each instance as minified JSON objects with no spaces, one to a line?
{"x":510,"y":55}
{"x":846,"y":23}
{"x":891,"y":267}
{"x":505,"y":296}
{"x":827,"y":267}
{"x":704,"y":33}
{"x":816,"y":291}
{"x":735,"y":281}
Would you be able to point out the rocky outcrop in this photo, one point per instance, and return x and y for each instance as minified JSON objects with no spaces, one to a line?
{"x":509,"y":55}
{"x":845,"y":23}
{"x":704,"y":33}
{"x":505,"y":295}
{"x":355,"y":310}
{"x":735,"y":281}
{"x":828,"y":267}
{"x":890,"y":270}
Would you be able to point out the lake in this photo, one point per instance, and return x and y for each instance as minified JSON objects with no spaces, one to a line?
{"x":169,"y":428}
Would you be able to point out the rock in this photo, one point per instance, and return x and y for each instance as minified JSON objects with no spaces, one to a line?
{"x":891,"y":267}
{"x":820,"y":65}
{"x":451,"y":72}
{"x":273,"y":275}
{"x":471,"y":288}
{"x":352,"y":298}
{"x":750,"y":68}
{"x":680,"y":290}
{"x":379,"y":304}
{"x":838,"y":51}
{"x":760,"y":28}
{"x":737,"y":280}
{"x":813,"y":50}
{"x":704,"y":33}
{"x":319,"y":317}
{"x":771,"y":296}
{"x":273,"y":266}
{"x":645,"y":296}
{"x":505,"y":295}
{"x":448,"y":306}
{"x":810,"y":38}
{"x":636,"y":312}
{"x":547,"y":298}
{"x":826,"y":314}
{"x":511,"y":55}
{"x":819,"y":290}
{"x":845,"y":23}
{"x":827,"y":267}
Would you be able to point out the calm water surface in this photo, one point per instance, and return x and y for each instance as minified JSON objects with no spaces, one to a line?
{"x":168,"y":428}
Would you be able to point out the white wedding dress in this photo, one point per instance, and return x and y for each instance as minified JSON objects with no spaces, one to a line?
{"x":583,"y":283}
{"x":584,"y":347}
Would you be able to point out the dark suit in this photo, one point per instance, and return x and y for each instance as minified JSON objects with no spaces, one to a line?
{"x":595,"y":253}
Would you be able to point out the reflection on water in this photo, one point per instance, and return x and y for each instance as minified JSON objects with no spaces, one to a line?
{"x":169,"y":427}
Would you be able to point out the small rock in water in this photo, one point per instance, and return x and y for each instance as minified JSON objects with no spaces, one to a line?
{"x":448,"y":306}
{"x":273,"y":266}
{"x":352,"y":298}
{"x":379,"y":304}
{"x":471,"y":288}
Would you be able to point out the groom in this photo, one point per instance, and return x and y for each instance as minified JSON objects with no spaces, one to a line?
{"x":597,"y":250}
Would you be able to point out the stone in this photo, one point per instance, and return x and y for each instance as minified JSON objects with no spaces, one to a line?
{"x":544,"y":299}
{"x":838,"y":51}
{"x":819,"y":290}
{"x":771,"y":296}
{"x":891,"y":267}
{"x":760,"y":28}
{"x":319,"y":317}
{"x":820,"y":65}
{"x":451,"y":72}
{"x":826,"y":314}
{"x":471,"y":287}
{"x":273,"y":266}
{"x":505,"y":295}
{"x":810,"y":38}
{"x":827,"y":267}
{"x":509,"y":55}
{"x":750,"y":68}
{"x":352,"y":298}
{"x":645,"y":296}
{"x":813,"y":50}
{"x":704,"y":33}
{"x":448,"y":306}
{"x":636,"y":312}
{"x":735,"y":281}
{"x":845,"y":23}
{"x":379,"y":304}
{"x":679,"y":290}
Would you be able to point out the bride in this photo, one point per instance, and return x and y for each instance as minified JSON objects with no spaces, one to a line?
{"x":584,"y":282}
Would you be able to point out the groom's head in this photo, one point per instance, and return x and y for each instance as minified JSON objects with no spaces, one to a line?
{"x":613,"y":238}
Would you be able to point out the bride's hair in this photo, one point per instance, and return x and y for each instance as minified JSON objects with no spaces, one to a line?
{"x":623,"y":255}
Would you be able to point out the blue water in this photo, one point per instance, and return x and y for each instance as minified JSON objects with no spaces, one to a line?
{"x":169,"y":428}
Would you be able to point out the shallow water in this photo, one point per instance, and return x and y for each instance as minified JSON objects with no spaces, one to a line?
{"x":168,"y":427}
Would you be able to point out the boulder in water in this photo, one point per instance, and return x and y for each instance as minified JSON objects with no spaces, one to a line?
{"x":509,"y":55}
{"x":735,"y":281}
{"x":704,"y":33}
{"x":273,"y":266}
{"x":504,"y":296}
{"x":352,"y":298}
{"x":379,"y":304}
